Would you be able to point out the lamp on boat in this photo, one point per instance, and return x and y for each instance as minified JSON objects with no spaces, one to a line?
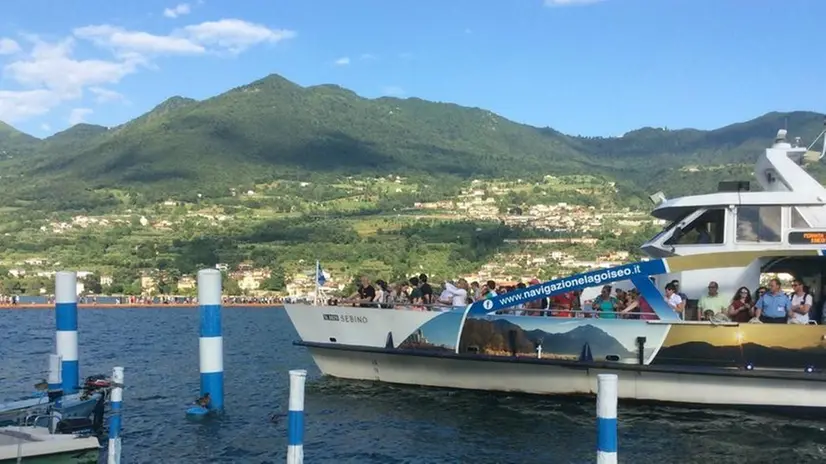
{"x":809,"y":369}
{"x":657,"y":198}
{"x":749,"y":366}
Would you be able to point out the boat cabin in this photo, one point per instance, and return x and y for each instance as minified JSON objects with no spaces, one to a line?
{"x":788,"y":214}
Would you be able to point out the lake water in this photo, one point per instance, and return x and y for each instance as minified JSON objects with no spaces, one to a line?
{"x":360,"y":422}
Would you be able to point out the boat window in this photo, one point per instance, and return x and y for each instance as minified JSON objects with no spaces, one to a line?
{"x":669,"y":226}
{"x":798,"y":221}
{"x":708,"y":228}
{"x":758,"y":223}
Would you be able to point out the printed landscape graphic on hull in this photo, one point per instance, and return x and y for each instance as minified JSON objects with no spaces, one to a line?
{"x":438,"y":334}
{"x":560,"y":338}
{"x":763,"y":345}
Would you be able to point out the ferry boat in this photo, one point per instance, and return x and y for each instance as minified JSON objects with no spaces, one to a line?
{"x":730,"y":237}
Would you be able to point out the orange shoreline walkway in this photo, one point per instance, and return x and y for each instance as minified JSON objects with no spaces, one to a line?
{"x":135,"y":305}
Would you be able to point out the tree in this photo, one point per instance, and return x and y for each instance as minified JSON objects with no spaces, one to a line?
{"x":277,"y":281}
{"x":91,"y":283}
{"x":230,"y":286}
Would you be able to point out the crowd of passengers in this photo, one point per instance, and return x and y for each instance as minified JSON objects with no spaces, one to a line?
{"x":766,"y":304}
{"x":417,"y":293}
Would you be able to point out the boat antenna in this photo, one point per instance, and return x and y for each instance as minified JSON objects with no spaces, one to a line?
{"x":822,"y":134}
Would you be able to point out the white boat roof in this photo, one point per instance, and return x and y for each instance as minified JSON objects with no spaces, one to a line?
{"x":779,"y":171}
{"x":676,"y":207}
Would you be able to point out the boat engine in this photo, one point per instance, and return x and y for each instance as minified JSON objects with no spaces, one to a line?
{"x":94,"y":384}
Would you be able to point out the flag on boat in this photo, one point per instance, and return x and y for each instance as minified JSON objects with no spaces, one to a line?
{"x":319,"y":274}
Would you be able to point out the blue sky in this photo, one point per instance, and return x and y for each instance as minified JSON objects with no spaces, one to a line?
{"x":592,"y":67}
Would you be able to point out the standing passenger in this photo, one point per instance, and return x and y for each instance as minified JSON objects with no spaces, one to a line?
{"x":774,"y":306}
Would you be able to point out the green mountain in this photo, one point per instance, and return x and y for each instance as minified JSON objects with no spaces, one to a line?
{"x":13,"y":142}
{"x":72,"y":140}
{"x":273,"y":128}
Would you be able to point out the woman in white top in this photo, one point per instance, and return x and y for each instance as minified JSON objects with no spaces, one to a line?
{"x":673,"y":299}
{"x":382,"y":294}
{"x":801,"y":304}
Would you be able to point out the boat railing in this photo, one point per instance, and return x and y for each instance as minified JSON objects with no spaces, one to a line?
{"x":32,"y":419}
{"x":438,"y":307}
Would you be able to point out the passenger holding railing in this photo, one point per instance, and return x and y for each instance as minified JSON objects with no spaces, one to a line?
{"x":416,"y":294}
{"x":606,"y":304}
{"x":489,"y":290}
{"x":535,"y":307}
{"x":426,"y":289}
{"x":562,"y":304}
{"x":673,"y":299}
{"x":712,"y":303}
{"x":741,"y":308}
{"x":638,"y":308}
{"x":774,"y":306}
{"x":364,"y":295}
{"x":801,"y":304}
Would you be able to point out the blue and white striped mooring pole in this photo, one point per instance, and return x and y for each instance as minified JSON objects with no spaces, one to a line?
{"x":211,"y":343}
{"x":66,"y":335}
{"x":295,"y":418}
{"x":607,"y":418}
{"x":115,"y":421}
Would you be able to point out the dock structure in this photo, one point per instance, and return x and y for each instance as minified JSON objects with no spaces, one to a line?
{"x":607,"y":418}
{"x":295,"y":417}
{"x":116,"y":420}
{"x":211,"y":342}
{"x":55,"y":389}
{"x":24,"y":443}
{"x":66,"y":334}
{"x":55,"y":378}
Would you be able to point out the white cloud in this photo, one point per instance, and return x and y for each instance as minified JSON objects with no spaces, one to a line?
{"x":45,"y":127}
{"x":8,"y":46}
{"x":52,"y":66}
{"x":20,"y":105}
{"x":368,"y":56}
{"x":392,"y":90}
{"x":343,"y":61}
{"x":78,"y":115}
{"x":234,"y":35}
{"x":570,"y":2}
{"x":123,"y":41}
{"x":179,"y":10}
{"x":50,"y":75}
{"x":105,"y":95}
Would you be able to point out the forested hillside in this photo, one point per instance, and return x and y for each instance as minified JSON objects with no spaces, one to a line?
{"x":275,"y":129}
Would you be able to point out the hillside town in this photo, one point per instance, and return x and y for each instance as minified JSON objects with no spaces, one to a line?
{"x":535,"y":255}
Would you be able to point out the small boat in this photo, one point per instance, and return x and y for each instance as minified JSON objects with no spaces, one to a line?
{"x":76,"y":405}
{"x":730,"y":237}
{"x":37,"y":445}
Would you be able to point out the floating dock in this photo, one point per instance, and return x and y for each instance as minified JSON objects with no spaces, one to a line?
{"x":37,"y":442}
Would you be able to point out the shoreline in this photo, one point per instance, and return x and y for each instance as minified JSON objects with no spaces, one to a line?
{"x":135,"y":305}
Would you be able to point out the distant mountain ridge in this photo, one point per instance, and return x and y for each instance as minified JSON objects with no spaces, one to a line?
{"x":274,"y":128}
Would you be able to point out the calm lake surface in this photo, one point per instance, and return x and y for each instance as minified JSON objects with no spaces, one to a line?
{"x":359,"y":422}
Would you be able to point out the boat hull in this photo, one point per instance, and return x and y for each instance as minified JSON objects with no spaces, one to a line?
{"x":705,"y":386}
{"x":74,"y":457}
{"x":37,"y":445}
{"x":73,"y":407}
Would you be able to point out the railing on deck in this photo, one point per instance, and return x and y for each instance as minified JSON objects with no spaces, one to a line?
{"x":547,"y":312}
